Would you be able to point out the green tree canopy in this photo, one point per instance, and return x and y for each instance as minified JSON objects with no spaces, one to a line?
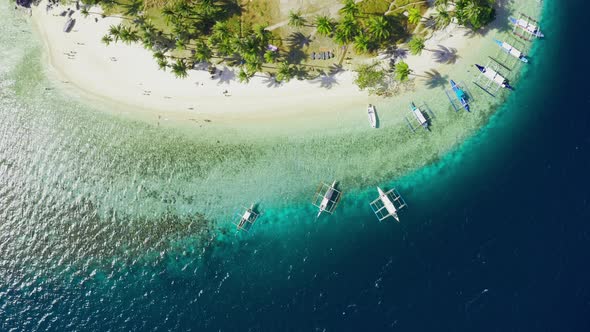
{"x":179,"y":69}
{"x":296,"y":19}
{"x":369,"y":77}
{"x":402,"y":71}
{"x":324,"y":25}
{"x":416,"y":45}
{"x":414,"y":16}
{"x":379,"y":28}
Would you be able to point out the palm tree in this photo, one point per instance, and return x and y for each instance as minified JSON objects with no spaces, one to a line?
{"x":361,"y":43}
{"x":128,"y":36}
{"x":180,"y":44}
{"x":350,"y":8}
{"x":261,"y":34}
{"x":324,"y":25}
{"x":169,"y":14}
{"x":284,"y":72}
{"x":162,"y":64}
{"x":402,"y":71}
{"x":133,"y":8}
{"x":416,"y":45}
{"x":106,"y":39}
{"x":442,"y":18}
{"x":115,"y":31}
{"x":203,"y":52}
{"x":414,"y":16}
{"x":179,"y":69}
{"x":346,"y":30}
{"x":472,"y":11}
{"x":379,"y":28}
{"x":220,"y":32}
{"x":270,"y":56}
{"x":296,"y":19}
{"x":159,"y":55}
{"x":244,"y":76}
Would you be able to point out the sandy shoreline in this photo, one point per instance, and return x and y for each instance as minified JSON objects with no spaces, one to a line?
{"x":125,"y":79}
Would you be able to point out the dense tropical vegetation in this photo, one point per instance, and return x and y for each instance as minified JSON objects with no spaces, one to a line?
{"x":184,"y":34}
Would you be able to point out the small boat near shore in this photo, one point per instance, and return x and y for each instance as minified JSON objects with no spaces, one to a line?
{"x":460,"y":95}
{"x":422,"y":120}
{"x":372,"y":116}
{"x":494,"y":76}
{"x":69,"y":25}
{"x":528,"y":25}
{"x":511,"y":50}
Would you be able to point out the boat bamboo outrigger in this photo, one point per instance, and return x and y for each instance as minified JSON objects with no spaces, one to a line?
{"x":421,"y":114}
{"x":461,"y":98}
{"x":529,"y":26}
{"x":387,"y":204}
{"x":511,"y":50}
{"x":372,"y":116}
{"x":489,"y":77}
{"x":246,"y":219}
{"x":326,"y":198}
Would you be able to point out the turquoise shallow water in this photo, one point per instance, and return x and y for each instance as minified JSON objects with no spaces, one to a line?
{"x":109,"y":224}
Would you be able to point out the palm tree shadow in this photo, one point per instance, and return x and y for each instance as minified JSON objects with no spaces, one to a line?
{"x":298,"y":40}
{"x":226,"y":76}
{"x":400,"y":53}
{"x":271,"y":81}
{"x":434,"y":79}
{"x":446,"y":55}
{"x":296,"y":55}
{"x":335,"y":69}
{"x":326,"y":81}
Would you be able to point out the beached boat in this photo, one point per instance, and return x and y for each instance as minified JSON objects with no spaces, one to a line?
{"x":372,"y":116}
{"x":461,"y":96}
{"x":494,"y":76}
{"x":511,"y":50}
{"x":387,"y":204}
{"x":326,"y":198}
{"x":422,"y":120}
{"x":69,"y":24}
{"x":528,"y":25}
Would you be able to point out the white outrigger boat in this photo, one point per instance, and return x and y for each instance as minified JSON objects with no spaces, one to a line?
{"x":528,"y":25}
{"x":511,"y":50}
{"x":388,"y":204}
{"x":247,"y":219}
{"x":492,"y":76}
{"x":372,"y":116}
{"x":326,"y":198}
{"x":420,"y":116}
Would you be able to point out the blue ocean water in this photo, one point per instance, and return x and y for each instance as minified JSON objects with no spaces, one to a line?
{"x":495,"y":239}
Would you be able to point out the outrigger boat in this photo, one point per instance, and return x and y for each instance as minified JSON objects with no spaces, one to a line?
{"x":528,"y":25}
{"x":494,"y":76}
{"x":511,"y":50}
{"x":326,"y":198}
{"x":387,"y":204}
{"x":420,"y":117}
{"x":461,"y":96}
{"x":247,"y":219}
{"x":372,"y":116}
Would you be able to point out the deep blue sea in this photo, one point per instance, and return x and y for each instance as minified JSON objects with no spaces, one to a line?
{"x":496,"y":238}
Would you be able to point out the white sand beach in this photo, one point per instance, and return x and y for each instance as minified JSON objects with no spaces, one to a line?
{"x":126,"y":79}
